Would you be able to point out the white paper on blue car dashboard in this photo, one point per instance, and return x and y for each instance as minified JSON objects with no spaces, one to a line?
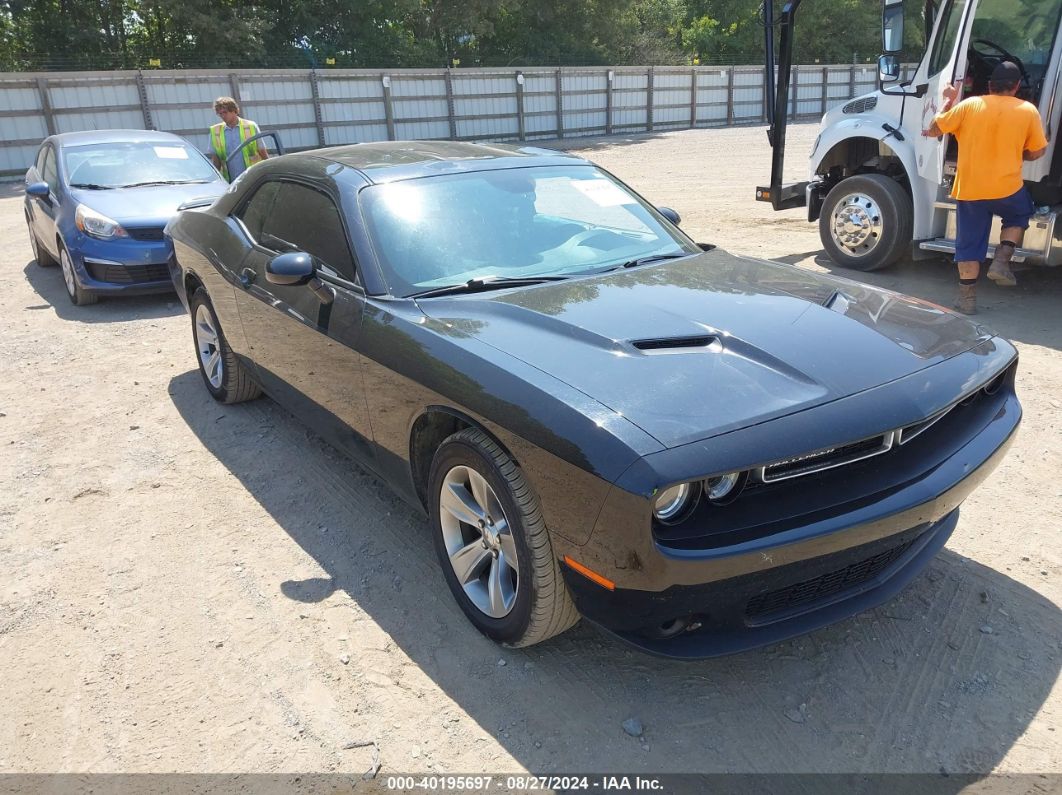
{"x":171,"y":152}
{"x":602,"y":192}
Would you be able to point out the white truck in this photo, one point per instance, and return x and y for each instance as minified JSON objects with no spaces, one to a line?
{"x":878,"y":188}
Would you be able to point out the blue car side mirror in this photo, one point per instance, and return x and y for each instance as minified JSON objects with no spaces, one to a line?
{"x":293,"y":267}
{"x":38,"y":189}
{"x":670,"y":215}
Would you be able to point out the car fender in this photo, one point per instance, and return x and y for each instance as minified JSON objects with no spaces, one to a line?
{"x":869,"y":126}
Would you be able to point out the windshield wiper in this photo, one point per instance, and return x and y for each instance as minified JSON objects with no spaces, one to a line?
{"x":166,"y":182}
{"x":90,"y":186}
{"x":486,"y":283}
{"x":634,"y":263}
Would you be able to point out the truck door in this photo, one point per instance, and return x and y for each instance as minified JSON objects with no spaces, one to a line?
{"x":946,"y":63}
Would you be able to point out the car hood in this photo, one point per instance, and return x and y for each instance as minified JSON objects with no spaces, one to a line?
{"x":149,"y":205}
{"x":689,"y":349}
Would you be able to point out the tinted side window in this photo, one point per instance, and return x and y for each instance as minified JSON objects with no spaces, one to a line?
{"x":49,"y":174}
{"x":257,"y":209}
{"x":945,"y":43}
{"x":40,"y":159}
{"x":308,"y":220}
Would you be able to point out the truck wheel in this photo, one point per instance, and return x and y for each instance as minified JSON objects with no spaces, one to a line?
{"x":866,"y":222}
{"x":493,"y":544}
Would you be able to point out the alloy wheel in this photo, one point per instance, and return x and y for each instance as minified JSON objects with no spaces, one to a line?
{"x":479,"y":541}
{"x":857,"y":224}
{"x":207,"y":343}
{"x":68,"y":271}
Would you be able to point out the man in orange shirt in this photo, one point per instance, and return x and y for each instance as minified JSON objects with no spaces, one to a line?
{"x":996,"y":134}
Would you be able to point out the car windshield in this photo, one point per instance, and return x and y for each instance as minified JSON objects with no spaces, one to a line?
{"x":122,"y":164}
{"x":513,"y":223}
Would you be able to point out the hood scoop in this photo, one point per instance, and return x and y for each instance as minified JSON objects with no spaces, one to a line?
{"x":664,"y":345}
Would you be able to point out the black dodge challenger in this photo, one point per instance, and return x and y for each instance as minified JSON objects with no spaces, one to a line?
{"x":699,"y":452}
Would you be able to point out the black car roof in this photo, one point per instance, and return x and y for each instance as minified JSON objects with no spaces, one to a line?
{"x":388,"y":161}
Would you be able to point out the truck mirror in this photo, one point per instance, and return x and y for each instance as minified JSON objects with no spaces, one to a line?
{"x":888,"y":69}
{"x":892,"y":26}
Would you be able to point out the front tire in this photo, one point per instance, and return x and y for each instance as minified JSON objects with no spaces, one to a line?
{"x":78,"y":295}
{"x":493,"y":544}
{"x":225,"y":376}
{"x":866,"y":222}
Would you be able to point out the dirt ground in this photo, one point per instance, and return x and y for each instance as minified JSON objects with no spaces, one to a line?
{"x":191,"y":587}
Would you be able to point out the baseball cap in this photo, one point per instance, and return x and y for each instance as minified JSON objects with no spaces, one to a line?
{"x":1006,"y":72}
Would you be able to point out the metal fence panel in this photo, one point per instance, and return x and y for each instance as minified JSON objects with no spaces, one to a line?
{"x":93,"y":95}
{"x":15,"y":160}
{"x":333,"y":107}
{"x":100,"y":120}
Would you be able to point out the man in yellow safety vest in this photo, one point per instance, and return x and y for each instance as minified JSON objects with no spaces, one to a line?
{"x":228,"y":135}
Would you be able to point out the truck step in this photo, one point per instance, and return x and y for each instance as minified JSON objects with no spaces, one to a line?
{"x":946,"y":246}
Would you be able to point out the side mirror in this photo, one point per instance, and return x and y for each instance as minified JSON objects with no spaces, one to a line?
{"x":892,"y":26}
{"x":888,"y":69}
{"x":670,"y":215}
{"x":38,"y":189}
{"x":291,"y":268}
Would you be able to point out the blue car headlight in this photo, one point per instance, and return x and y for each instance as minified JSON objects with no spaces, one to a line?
{"x":97,"y":224}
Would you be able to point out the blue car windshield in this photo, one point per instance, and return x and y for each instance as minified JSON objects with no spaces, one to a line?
{"x":123,"y":164}
{"x":513,"y":223}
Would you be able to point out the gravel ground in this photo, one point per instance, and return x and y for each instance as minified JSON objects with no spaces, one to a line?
{"x":191,"y":587}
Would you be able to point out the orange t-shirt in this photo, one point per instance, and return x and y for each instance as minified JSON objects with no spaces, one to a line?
{"x":993,"y":130}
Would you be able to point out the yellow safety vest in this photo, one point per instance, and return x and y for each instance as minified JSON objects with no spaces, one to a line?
{"x":248,"y":129}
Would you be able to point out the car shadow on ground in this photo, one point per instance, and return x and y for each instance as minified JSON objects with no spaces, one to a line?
{"x":48,"y":284}
{"x":1026,"y":313}
{"x":943,"y":679}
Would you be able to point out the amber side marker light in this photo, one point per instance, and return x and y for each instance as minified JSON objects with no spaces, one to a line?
{"x":604,"y":582}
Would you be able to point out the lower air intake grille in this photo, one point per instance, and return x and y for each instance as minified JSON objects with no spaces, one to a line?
{"x":809,"y":591}
{"x":128,"y":274}
{"x":146,"y":233}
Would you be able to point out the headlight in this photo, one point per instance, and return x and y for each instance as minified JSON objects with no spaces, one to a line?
{"x":97,"y":224}
{"x":671,"y":504}
{"x":724,"y":488}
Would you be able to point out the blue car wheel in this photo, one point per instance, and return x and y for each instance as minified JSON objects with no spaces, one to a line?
{"x":78,"y":295}
{"x":40,"y":255}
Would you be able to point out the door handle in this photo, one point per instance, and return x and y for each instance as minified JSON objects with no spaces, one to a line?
{"x":247,"y":276}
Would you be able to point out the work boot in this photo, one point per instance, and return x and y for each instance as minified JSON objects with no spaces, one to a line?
{"x":1001,"y":274}
{"x":967,"y":300}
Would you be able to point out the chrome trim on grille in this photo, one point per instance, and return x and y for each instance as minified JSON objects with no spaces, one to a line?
{"x":909,"y":432}
{"x":764,"y":474}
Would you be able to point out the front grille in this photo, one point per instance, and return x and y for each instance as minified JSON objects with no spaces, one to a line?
{"x":826,"y":459}
{"x":146,"y":233}
{"x":860,"y":105}
{"x":809,"y":591}
{"x":128,"y":274}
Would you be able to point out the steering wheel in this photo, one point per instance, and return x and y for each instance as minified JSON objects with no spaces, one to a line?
{"x":1002,"y":56}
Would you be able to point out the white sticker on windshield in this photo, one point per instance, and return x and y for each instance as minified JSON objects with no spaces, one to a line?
{"x":602,"y":192}
{"x":171,"y":152}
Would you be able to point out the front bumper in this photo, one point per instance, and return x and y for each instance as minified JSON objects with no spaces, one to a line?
{"x":121,"y":267}
{"x":733,"y":598}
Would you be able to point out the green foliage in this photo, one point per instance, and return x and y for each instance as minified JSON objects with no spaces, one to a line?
{"x":55,"y":34}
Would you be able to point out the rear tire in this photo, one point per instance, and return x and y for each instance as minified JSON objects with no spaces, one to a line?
{"x":40,"y":256}
{"x":225,"y":376}
{"x":78,"y":295}
{"x":529,"y":600}
{"x":866,"y":222}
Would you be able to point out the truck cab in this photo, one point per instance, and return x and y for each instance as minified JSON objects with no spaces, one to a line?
{"x":878,"y":188}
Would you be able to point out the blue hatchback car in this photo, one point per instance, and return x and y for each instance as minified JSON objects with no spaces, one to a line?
{"x":97,"y":202}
